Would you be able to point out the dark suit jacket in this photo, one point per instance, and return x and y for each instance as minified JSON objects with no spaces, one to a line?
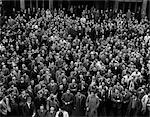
{"x":115,"y":100}
{"x":84,"y":90}
{"x":68,"y":98}
{"x":137,"y":108}
{"x":79,"y":105}
{"x":40,"y":102}
{"x":50,"y":114}
{"x":53,"y":89}
{"x":41,"y":114}
{"x":28,"y":112}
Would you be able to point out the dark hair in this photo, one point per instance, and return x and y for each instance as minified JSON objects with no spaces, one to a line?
{"x":60,"y":114}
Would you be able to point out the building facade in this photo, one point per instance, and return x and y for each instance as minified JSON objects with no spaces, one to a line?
{"x":133,"y":5}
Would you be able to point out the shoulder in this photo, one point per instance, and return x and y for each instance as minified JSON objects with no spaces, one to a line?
{"x":55,"y":84}
{"x":83,"y":96}
{"x":38,"y":110}
{"x":63,"y":94}
{"x":24,"y":105}
{"x":57,"y":113}
{"x":65,"y":113}
{"x":97,"y":97}
{"x":32,"y":103}
{"x":144,"y":97}
{"x":89,"y":96}
{"x":71,"y":94}
{"x":1,"y":102}
{"x":45,"y":111}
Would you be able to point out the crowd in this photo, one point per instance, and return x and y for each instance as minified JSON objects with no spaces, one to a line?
{"x":76,"y":62}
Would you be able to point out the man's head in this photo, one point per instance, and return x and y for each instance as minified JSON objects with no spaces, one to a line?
{"x":64,"y":80}
{"x":52,"y":109}
{"x":52,"y":81}
{"x":42,"y":107}
{"x":22,"y":79}
{"x":23,"y":93}
{"x":73,"y":80}
{"x":92,"y":93}
{"x":118,"y":83}
{"x":68,"y":91}
{"x":29,"y":99}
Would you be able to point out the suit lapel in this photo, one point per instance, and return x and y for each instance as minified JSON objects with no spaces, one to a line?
{"x":27,"y":108}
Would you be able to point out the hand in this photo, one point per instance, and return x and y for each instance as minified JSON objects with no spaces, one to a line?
{"x":33,"y":115}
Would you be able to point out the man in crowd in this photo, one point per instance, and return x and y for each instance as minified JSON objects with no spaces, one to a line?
{"x":62,"y":113}
{"x":28,"y":108}
{"x":92,"y":104}
{"x":48,"y":57}
{"x":68,"y":101}
{"x":79,"y":104}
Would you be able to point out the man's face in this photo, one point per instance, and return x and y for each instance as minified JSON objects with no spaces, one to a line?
{"x":68,"y":91}
{"x":42,"y":108}
{"x":92,"y":93}
{"x":52,"y":109}
{"x":118,"y":83}
{"x":64,"y":81}
{"x":52,"y":82}
{"x":29,"y":99}
{"x":22,"y":80}
{"x":40,"y":94}
{"x":23,"y":93}
{"x":73,"y":81}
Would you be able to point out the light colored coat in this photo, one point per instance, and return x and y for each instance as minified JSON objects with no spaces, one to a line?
{"x":4,"y":106}
{"x":144,"y":101}
{"x":92,"y":103}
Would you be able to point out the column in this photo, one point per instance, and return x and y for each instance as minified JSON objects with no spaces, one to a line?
{"x":135,"y":9}
{"x":116,"y":5}
{"x":1,"y":8}
{"x":30,"y":4}
{"x":50,"y":4}
{"x":129,"y":7}
{"x":15,"y":4}
{"x":22,"y":4}
{"x":106,"y":4}
{"x":149,"y":10}
{"x":60,"y":4}
{"x":36,"y":4}
{"x":97,"y":4}
{"x":69,"y":4}
{"x":42,"y":3}
{"x":144,"y":6}
{"x":124,"y":5}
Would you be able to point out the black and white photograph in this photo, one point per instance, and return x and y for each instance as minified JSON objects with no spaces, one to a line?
{"x":74,"y":58}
